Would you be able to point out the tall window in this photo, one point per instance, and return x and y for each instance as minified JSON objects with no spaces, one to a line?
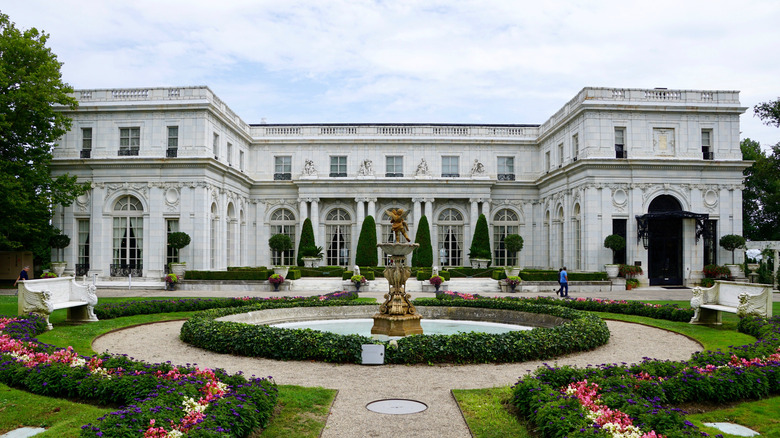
{"x":283,"y":222}
{"x":547,"y":161}
{"x":86,"y":142}
{"x":620,"y":143}
{"x":505,"y":222}
{"x":706,"y":144}
{"x":172,"y":254}
{"x":230,"y":234}
{"x":619,"y":227}
{"x":338,"y":229}
{"x":450,"y":226}
{"x":213,"y":235}
{"x":230,"y":154}
{"x":394,"y":166}
{"x":575,"y":146}
{"x":173,"y":142}
{"x":127,"y":237}
{"x":283,"y":168}
{"x":710,"y":242}
{"x":338,"y":166}
{"x":577,"y":237}
{"x":560,"y":155}
{"x":215,"y":146}
{"x":129,"y":141}
{"x":559,"y":226}
{"x":241,"y":160}
{"x":82,"y":265}
{"x":450,"y":167}
{"x":506,"y":168}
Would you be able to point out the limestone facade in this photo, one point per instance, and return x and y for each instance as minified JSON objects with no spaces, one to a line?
{"x":167,"y":159}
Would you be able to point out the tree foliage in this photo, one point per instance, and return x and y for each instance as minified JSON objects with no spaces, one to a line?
{"x":732,"y":242}
{"x":366,"y":247}
{"x":769,"y":112}
{"x":307,"y":247}
{"x":761,"y":195}
{"x":30,"y":87}
{"x":480,"y":244}
{"x":178,"y":240}
{"x":280,"y":243}
{"x":423,"y":255}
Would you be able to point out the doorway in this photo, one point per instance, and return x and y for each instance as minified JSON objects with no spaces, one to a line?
{"x":664,"y":251}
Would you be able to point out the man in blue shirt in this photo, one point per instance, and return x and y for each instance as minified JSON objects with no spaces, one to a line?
{"x":22,"y":275}
{"x":564,"y":280}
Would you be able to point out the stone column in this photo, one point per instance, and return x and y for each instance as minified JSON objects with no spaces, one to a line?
{"x":431,"y":227}
{"x":303,"y":211}
{"x":261,"y":235}
{"x":372,"y":208}
{"x":417,"y":212}
{"x":315,"y":220}
{"x":486,"y":209}
{"x":360,"y":208}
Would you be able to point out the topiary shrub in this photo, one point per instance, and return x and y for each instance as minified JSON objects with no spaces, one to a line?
{"x":307,"y":247}
{"x":513,"y":243}
{"x":732,"y":242}
{"x":58,"y":242}
{"x":480,"y":244}
{"x":280,"y":243}
{"x":366,"y":247}
{"x":615,"y":243}
{"x":422,"y":257}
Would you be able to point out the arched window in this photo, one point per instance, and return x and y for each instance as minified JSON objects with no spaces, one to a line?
{"x":338,"y":229}
{"x":450,"y":226}
{"x":214,"y":225}
{"x":283,"y":222}
{"x":128,"y":232}
{"x":505,"y":222}
{"x":576,"y":224}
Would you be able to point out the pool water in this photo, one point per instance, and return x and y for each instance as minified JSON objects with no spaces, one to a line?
{"x":429,"y":326}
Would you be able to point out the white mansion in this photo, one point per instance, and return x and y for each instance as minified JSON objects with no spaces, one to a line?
{"x":661,"y":167}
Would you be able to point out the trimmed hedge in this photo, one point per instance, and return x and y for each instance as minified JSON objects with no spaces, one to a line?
{"x":583,"y":332}
{"x":369,"y":274}
{"x":249,"y":274}
{"x":422,"y":257}
{"x":307,"y":242}
{"x":467,"y":272}
{"x":426,"y":274}
{"x":480,"y":244}
{"x":366,"y":254}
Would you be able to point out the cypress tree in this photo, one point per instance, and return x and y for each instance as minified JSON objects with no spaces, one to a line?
{"x":366,"y":247}
{"x":480,"y":244}
{"x":423,"y":256}
{"x":307,"y":240}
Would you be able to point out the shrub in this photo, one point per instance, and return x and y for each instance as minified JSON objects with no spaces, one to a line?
{"x":358,"y":279}
{"x":307,"y":247}
{"x":48,"y":275}
{"x":630,"y":271}
{"x":513,"y":281}
{"x":480,"y":244}
{"x":178,"y":240}
{"x":732,"y":242}
{"x":707,"y":282}
{"x":423,"y":256}
{"x":280,"y":243}
{"x":276,"y":279}
{"x":513,"y":243}
{"x":58,"y":242}
{"x":366,"y":248}
{"x":253,"y":274}
{"x":715,"y":271}
{"x":436,"y":280}
{"x":615,"y":243}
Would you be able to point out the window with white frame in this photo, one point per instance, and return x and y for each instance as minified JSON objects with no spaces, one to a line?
{"x":505,"y":222}
{"x":450,"y":166}
{"x":338,"y":229}
{"x":620,"y":143}
{"x":172,"y":254}
{"x":547,"y":162}
{"x":706,"y":144}
{"x":128,"y":232}
{"x":283,"y":168}
{"x":86,"y":142}
{"x":213,"y":240}
{"x":338,"y":166}
{"x":450,"y":226}
{"x":394,"y":166}
{"x":230,"y":154}
{"x":560,"y":154}
{"x":173,"y":142}
{"x":82,"y":264}
{"x":129,"y":141}
{"x":506,"y":168}
{"x":283,"y":222}
{"x":215,"y":146}
{"x":241,"y":160}
{"x":575,"y":146}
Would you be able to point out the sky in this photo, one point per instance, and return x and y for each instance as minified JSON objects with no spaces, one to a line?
{"x":408,"y":61}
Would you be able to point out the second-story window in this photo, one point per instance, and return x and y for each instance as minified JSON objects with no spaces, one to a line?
{"x":215,"y":146}
{"x":506,"y":168}
{"x":86,"y":142}
{"x":575,"y":146}
{"x":173,"y":142}
{"x":230,"y":154}
{"x":338,"y":166}
{"x":560,"y":155}
{"x":283,"y":168}
{"x":706,"y":145}
{"x":241,"y":161}
{"x":129,"y":141}
{"x":394,"y":166}
{"x":620,"y":143}
{"x":450,"y":167}
{"x":547,"y":162}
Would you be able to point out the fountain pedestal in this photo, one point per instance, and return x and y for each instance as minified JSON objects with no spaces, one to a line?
{"x":397,"y":316}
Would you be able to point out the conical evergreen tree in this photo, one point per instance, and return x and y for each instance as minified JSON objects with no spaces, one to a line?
{"x":366,"y":247}
{"x":480,"y":244}
{"x":307,"y":240}
{"x":423,"y":256}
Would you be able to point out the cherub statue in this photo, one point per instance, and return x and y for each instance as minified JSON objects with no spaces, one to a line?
{"x":398,"y":222}
{"x":366,"y":168}
{"x":422,"y":168}
{"x":477,"y":168}
{"x":309,"y":169}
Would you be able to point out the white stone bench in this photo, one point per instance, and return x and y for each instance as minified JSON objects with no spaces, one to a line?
{"x":45,"y":295}
{"x":729,"y":296}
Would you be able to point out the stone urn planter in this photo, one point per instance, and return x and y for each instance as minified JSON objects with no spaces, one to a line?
{"x":311,"y":262}
{"x":281,"y":270}
{"x":178,"y":269}
{"x":735,"y":270}
{"x":612,"y":270}
{"x":58,"y":268}
{"x":512,"y":271}
{"x":479,"y":263}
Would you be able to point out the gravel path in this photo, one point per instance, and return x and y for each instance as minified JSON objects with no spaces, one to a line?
{"x":359,"y":385}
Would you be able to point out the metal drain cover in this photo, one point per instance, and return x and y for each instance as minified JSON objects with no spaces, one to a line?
{"x":396,"y":406}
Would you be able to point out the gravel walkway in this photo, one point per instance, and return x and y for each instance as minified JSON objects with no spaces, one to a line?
{"x":359,"y":385}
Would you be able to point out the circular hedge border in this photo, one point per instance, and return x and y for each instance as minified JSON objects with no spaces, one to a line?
{"x":583,"y":331}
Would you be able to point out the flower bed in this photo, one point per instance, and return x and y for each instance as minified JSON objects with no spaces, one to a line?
{"x":611,"y":400}
{"x":160,"y":400}
{"x":582,"y":332}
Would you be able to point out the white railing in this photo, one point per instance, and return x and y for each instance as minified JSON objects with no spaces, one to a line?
{"x":528,"y":132}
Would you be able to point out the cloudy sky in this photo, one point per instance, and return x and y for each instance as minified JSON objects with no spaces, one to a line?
{"x":447,"y":61}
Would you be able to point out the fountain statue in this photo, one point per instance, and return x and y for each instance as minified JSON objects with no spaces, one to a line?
{"x":397,"y":316}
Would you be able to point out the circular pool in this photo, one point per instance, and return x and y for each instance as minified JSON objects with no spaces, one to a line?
{"x":362,"y":326}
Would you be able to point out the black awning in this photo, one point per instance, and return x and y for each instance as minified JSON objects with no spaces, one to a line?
{"x":643,"y":232}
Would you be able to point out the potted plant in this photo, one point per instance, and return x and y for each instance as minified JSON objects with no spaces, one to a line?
{"x":436,"y":281}
{"x":615,"y":243}
{"x":311,"y":256}
{"x":170,"y":281}
{"x":178,"y":240}
{"x":715,"y":271}
{"x":479,"y":252}
{"x":631,"y":283}
{"x":629,"y":272}
{"x":358,"y":280}
{"x":276,"y":280}
{"x":58,"y":242}
{"x":512,"y":282}
{"x":48,"y":274}
{"x":732,"y":242}
{"x":513,"y":243}
{"x":279,"y":243}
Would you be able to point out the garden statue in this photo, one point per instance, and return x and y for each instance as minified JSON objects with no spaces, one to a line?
{"x":356,"y":270}
{"x":422,"y":168}
{"x":366,"y":168}
{"x":399,"y":225}
{"x":309,"y":169}
{"x":477,"y":168}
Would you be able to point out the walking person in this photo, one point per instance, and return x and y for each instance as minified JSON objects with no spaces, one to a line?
{"x":22,"y":276}
{"x":558,"y":292}
{"x":563,"y":279}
